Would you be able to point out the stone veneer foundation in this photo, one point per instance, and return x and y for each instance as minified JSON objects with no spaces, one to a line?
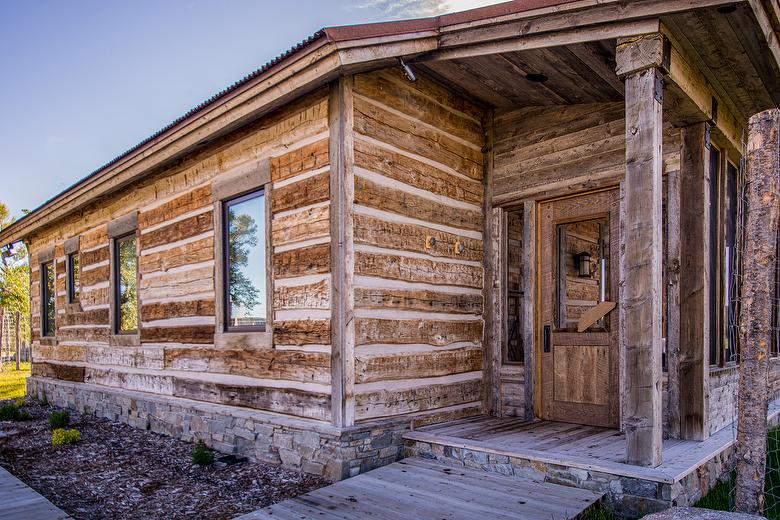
{"x":301,"y":444}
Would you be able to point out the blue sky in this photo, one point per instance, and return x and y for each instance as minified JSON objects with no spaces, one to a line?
{"x":84,"y":80}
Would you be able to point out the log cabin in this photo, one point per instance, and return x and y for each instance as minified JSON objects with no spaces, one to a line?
{"x":506,"y":237}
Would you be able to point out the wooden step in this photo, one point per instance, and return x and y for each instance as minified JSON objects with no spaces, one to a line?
{"x":416,"y":488}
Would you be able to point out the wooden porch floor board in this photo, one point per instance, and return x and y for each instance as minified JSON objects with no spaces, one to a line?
{"x":418,"y":488}
{"x":580,"y":446}
{"x":17,"y":500}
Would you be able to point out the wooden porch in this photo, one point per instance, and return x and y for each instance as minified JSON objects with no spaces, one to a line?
{"x":586,"y":457}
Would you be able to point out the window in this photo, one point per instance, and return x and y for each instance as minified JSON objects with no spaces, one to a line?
{"x":513,"y":341}
{"x":74,"y":273}
{"x":244,"y":261}
{"x":125,"y":285}
{"x":48,"y":296}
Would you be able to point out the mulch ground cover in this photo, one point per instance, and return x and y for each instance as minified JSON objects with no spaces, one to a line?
{"x":116,"y":471}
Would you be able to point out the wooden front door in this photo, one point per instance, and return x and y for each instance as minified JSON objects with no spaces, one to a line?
{"x":578,"y":318}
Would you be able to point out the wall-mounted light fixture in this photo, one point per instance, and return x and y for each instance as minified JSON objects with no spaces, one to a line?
{"x":408,"y":72}
{"x":582,"y":261}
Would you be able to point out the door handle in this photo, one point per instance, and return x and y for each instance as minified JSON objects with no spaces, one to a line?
{"x":546,"y":335}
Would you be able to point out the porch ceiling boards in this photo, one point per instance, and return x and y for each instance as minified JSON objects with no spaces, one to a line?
{"x":578,"y":73}
{"x":721,"y":42}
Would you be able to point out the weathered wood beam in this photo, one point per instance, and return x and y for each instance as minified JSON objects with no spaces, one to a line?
{"x":642,"y":290}
{"x":494,"y":295}
{"x":694,"y":282}
{"x":700,"y":101}
{"x":529,"y":290}
{"x":342,"y":189}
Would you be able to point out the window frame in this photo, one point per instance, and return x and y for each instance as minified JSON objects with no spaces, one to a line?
{"x":225,"y":205}
{"x":73,"y":291}
{"x":48,"y":329}
{"x":115,"y":297}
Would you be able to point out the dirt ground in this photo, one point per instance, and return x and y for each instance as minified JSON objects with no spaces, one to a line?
{"x":116,"y":471}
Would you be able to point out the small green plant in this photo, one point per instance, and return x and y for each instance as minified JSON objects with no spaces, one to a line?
{"x":20,"y":403}
{"x":201,"y":455}
{"x":59,"y":419}
{"x":62,"y":436}
{"x":12,"y":412}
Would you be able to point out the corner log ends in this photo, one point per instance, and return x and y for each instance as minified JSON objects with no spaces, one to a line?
{"x":640,"y":60}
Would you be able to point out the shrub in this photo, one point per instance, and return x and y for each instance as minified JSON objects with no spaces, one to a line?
{"x":12,"y":412}
{"x":59,"y":419}
{"x":62,"y":436}
{"x":201,"y":455}
{"x":20,"y":403}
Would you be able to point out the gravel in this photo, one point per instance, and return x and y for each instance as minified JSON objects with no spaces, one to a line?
{"x":116,"y":471}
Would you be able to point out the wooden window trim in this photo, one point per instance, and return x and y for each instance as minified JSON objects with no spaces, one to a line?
{"x":225,"y":188}
{"x":48,"y":330}
{"x":119,"y":338}
{"x":224,"y":295}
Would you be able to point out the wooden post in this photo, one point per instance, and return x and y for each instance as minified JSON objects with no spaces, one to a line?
{"x":638,"y":60}
{"x":755,"y":323}
{"x":673,"y":261}
{"x":342,"y":186}
{"x":18,"y":340}
{"x":491,"y":377}
{"x":694,"y":282}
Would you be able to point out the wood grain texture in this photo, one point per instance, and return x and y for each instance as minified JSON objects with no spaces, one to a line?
{"x":176,"y":309}
{"x":416,"y":173}
{"x":308,"y":296}
{"x":396,"y":267}
{"x":405,"y":133}
{"x":313,"y":367}
{"x":411,"y":237}
{"x":374,"y":195}
{"x":95,"y":256}
{"x":385,"y":403}
{"x":186,"y":254}
{"x":416,"y":365}
{"x":302,"y":332}
{"x":418,"y":300}
{"x":180,"y":230}
{"x":370,"y":331}
{"x":308,"y":224}
{"x":185,"y":203}
{"x":301,"y":262}
{"x":197,"y":334}
{"x":58,"y":371}
{"x":301,"y":193}
{"x":306,"y":158}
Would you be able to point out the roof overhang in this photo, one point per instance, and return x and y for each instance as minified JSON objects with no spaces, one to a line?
{"x":333,"y":51}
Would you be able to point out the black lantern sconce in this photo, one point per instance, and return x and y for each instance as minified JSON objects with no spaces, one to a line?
{"x":582,"y":260}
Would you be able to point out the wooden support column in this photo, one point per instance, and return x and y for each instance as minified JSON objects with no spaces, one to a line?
{"x":694,"y":283}
{"x":342,"y":189}
{"x":639,"y":60}
{"x":494,"y":296}
{"x":529,"y":290}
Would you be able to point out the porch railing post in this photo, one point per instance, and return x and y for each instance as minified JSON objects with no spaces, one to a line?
{"x":639,"y":61}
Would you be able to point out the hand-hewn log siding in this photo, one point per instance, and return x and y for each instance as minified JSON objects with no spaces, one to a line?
{"x":418,"y":247}
{"x":585,"y":148}
{"x":175,"y":352}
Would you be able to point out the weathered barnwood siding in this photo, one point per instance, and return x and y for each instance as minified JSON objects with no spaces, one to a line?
{"x":418,"y":248}
{"x":175,"y":352}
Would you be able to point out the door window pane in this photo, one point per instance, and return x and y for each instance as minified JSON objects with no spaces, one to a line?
{"x":513,"y":350}
{"x":126,"y":286}
{"x":49,"y":294}
{"x":583,"y":257}
{"x":245,"y":272}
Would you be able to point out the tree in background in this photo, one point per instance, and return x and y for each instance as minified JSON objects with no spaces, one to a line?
{"x":15,"y":283}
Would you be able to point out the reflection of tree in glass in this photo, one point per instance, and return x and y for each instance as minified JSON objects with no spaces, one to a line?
{"x":128,"y":293}
{"x":50,"y":297}
{"x":242,"y":237}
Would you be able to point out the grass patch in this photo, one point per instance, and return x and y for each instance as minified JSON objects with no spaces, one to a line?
{"x":12,"y":381}
{"x":720,"y":497}
{"x":600,"y":512}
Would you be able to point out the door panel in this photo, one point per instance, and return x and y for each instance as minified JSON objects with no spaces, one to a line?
{"x":578,"y":254}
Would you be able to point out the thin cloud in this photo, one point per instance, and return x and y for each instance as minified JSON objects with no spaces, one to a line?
{"x":405,"y":8}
